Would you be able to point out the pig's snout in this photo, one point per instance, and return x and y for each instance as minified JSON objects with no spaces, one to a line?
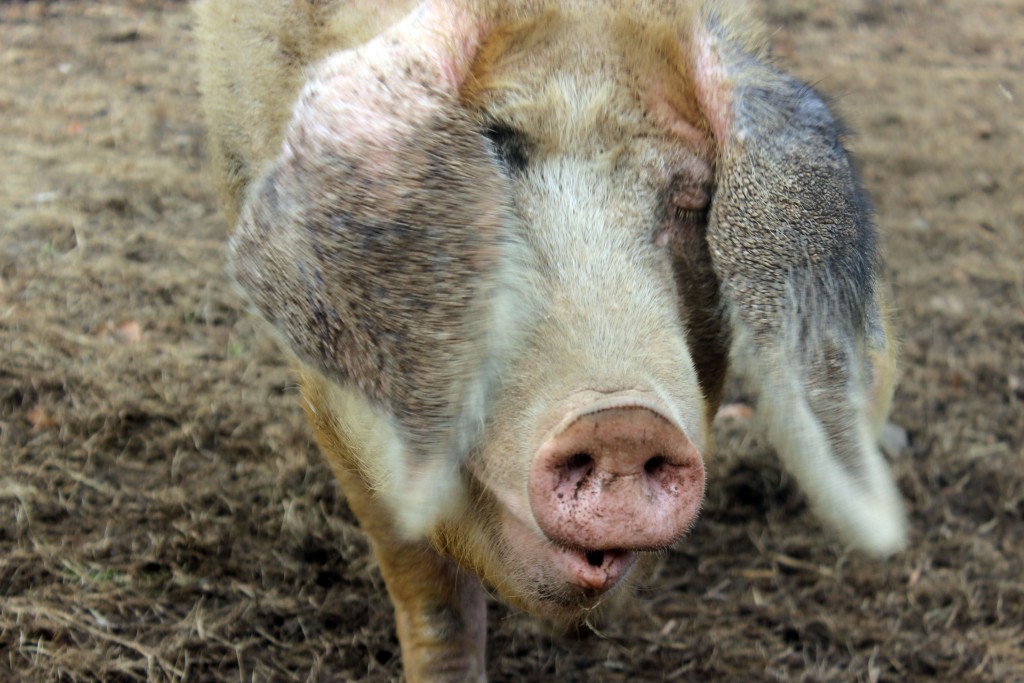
{"x":619,"y":479}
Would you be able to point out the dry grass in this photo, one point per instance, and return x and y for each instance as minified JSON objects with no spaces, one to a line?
{"x":163,"y":515}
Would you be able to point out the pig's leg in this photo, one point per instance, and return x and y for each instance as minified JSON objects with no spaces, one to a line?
{"x":440,"y":609}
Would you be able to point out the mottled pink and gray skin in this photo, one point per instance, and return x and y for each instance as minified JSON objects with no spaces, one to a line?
{"x":616,"y":476}
{"x":514,"y":247}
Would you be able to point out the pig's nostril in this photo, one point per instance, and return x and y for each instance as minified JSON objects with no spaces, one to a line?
{"x":574,"y":473}
{"x":655,"y":464}
{"x":580,"y":463}
{"x":595,"y":557}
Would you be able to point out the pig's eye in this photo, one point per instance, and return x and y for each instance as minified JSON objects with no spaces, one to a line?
{"x":509,"y":146}
{"x":692,"y":218}
{"x":690,"y":207}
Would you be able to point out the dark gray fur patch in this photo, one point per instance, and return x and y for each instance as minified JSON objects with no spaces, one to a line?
{"x":790,"y":229}
{"x":792,"y":241}
{"x":378,"y":278}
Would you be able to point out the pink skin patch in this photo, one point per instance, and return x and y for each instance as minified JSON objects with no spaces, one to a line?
{"x":368,"y":97}
{"x":711,"y":83}
{"x":659,"y":105}
{"x":446,"y":34}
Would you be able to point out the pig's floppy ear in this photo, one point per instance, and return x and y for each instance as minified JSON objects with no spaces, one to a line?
{"x":792,"y":242}
{"x":378,"y":245}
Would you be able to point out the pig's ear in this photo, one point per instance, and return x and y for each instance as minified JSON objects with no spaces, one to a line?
{"x":791,"y":240}
{"x":379,"y":245}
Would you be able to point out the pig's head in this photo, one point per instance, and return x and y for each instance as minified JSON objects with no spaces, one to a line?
{"x":520,"y":243}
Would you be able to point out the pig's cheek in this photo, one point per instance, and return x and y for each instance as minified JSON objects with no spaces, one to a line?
{"x":524,"y":555}
{"x":553,"y":581}
{"x":530,"y":552}
{"x":512,"y":500}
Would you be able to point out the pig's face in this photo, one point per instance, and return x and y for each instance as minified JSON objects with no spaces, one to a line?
{"x":593,"y":450}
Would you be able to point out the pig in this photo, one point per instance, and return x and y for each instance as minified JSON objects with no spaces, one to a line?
{"x":514,"y":248}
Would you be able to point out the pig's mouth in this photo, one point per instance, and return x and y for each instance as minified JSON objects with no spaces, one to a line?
{"x":567,"y":576}
{"x":594,"y":571}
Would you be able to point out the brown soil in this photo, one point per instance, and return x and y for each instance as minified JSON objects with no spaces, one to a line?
{"x":163,"y":514}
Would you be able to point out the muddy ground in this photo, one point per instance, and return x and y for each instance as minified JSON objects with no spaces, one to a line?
{"x":164,"y":516}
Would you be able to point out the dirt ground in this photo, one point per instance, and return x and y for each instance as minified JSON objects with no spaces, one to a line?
{"x":165,"y":516}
